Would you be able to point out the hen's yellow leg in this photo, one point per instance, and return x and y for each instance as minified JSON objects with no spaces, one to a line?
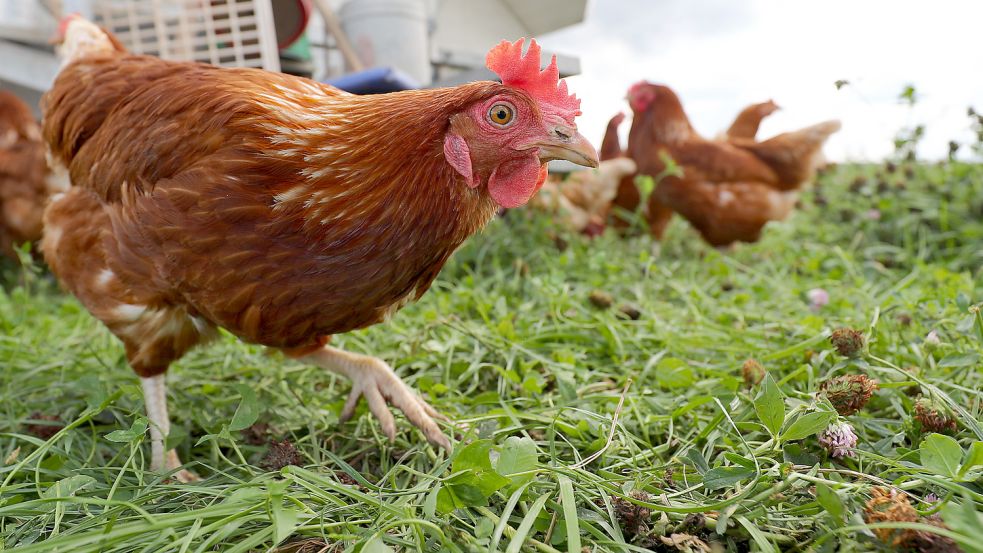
{"x":374,"y":380}
{"x":155,"y":398}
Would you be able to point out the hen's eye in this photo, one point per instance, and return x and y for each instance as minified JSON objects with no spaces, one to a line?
{"x":501,"y":114}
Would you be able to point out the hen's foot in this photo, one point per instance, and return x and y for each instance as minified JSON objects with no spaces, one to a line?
{"x":172,"y":462}
{"x":374,"y":380}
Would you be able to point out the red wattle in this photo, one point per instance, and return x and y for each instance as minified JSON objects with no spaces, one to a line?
{"x":544,"y":173}
{"x":512,"y":183}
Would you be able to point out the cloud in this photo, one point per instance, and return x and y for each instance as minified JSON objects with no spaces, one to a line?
{"x":656,"y":25}
{"x":721,"y":55}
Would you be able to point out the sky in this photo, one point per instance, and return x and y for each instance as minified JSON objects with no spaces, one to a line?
{"x":721,"y":55}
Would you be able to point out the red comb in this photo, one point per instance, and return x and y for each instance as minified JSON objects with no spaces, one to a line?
{"x":507,"y":61}
{"x":63,"y":27}
{"x":637,"y":86}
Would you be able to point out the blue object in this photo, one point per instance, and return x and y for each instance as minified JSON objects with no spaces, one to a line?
{"x":377,"y":80}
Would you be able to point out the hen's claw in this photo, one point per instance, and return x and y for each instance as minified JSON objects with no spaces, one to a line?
{"x":374,"y":380}
{"x":186,"y":476}
{"x":171,"y":462}
{"x":380,"y":387}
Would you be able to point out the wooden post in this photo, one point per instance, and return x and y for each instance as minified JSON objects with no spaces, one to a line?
{"x":334,"y":27}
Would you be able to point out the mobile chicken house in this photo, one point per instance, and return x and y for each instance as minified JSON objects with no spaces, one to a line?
{"x":416,"y":42}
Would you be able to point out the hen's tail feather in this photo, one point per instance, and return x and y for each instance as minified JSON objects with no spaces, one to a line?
{"x":611,"y":144}
{"x":821,"y":131}
{"x":794,"y":156}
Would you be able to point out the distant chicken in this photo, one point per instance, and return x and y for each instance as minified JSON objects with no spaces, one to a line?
{"x":24,"y":178}
{"x":657,"y":214}
{"x":611,"y":144}
{"x":627,"y":197}
{"x":749,"y":119}
{"x":279,"y":208}
{"x":728,"y":191}
{"x":582,"y":201}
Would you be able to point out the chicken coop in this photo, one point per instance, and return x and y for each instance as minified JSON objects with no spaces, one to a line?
{"x":354,"y":44}
{"x":239,"y":33}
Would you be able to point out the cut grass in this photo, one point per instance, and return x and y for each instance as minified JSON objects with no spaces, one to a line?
{"x":509,"y":346}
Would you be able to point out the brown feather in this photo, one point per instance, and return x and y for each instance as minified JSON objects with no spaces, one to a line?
{"x":749,"y":120}
{"x":611,"y":143}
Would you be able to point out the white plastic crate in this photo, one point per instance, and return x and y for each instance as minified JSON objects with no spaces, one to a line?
{"x":230,"y":33}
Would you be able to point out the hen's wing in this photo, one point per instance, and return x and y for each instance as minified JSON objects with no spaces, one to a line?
{"x":121,"y":124}
{"x":724,"y":213}
{"x":719,"y":162}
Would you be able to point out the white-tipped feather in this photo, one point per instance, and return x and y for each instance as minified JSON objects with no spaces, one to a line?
{"x":83,"y":38}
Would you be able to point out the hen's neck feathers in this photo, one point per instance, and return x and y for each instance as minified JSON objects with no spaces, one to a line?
{"x":376,"y":161}
{"x":86,"y":39}
{"x":664,"y":122}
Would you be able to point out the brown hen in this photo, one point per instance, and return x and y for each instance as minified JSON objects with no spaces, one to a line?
{"x":728,"y":191}
{"x":278,"y":208}
{"x":582,"y":201}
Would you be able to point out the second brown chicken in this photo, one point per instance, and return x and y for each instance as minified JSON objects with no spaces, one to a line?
{"x":728,"y":190}
{"x":582,"y":201}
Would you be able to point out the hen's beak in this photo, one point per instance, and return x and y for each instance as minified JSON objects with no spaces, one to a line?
{"x":566,"y":143}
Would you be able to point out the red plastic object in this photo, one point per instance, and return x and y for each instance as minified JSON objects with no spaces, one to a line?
{"x":291,"y":17}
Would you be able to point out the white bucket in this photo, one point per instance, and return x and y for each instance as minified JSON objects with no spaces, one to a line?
{"x":390,"y":33}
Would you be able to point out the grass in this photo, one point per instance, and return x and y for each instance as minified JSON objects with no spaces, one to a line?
{"x":578,"y":427}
